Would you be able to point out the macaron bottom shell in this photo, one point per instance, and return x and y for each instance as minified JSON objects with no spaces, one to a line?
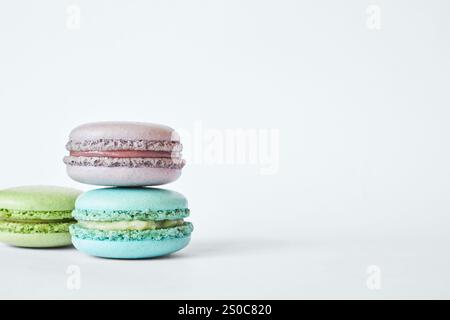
{"x":123,"y":176}
{"x":36,"y":240}
{"x":140,"y":249}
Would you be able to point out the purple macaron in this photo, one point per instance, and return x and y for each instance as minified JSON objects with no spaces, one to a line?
{"x":124,"y":154}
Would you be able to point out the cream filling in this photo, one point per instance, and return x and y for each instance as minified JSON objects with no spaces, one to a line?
{"x":130,"y":225}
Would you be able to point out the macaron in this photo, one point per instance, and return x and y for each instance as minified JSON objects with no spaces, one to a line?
{"x":124,"y":154}
{"x":36,"y":216}
{"x":131,"y":223}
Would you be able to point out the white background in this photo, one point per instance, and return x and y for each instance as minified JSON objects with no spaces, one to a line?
{"x":364,"y":140}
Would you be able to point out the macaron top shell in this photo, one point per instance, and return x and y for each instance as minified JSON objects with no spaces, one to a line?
{"x":131,"y":199}
{"x":38,"y":198}
{"x":124,"y":131}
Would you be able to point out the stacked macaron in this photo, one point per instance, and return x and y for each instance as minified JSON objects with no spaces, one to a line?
{"x":131,"y":220}
{"x":124,"y":154}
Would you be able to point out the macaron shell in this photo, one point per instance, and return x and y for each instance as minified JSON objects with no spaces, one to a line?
{"x":125,"y":131}
{"x":38,"y":198}
{"x":130,"y":249}
{"x":131,"y":199}
{"x":36,"y":240}
{"x":123,"y":176}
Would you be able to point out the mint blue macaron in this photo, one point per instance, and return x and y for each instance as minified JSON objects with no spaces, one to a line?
{"x":131,"y":223}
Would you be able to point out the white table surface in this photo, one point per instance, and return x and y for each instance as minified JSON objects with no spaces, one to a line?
{"x":239,"y":268}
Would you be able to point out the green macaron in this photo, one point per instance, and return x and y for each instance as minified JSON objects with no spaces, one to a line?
{"x":36,"y":216}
